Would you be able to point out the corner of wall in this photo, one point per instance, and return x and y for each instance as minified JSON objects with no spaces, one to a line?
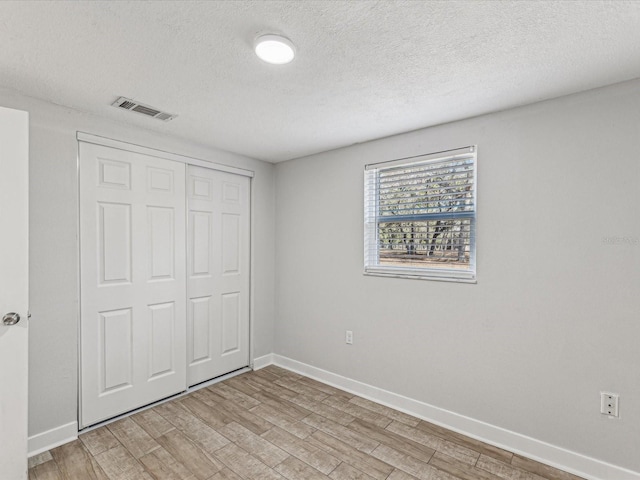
{"x":52,"y":438}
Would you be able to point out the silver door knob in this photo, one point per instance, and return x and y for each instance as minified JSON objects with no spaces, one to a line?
{"x":11,"y":318}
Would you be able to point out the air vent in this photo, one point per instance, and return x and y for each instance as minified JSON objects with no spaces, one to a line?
{"x":128,"y":104}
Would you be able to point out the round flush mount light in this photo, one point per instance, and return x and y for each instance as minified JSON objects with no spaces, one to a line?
{"x":274,"y":49}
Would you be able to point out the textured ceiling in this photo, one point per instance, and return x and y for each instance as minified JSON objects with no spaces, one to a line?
{"x":364,"y":70}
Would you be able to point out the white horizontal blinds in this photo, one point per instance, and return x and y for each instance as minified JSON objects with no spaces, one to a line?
{"x":420,"y":215}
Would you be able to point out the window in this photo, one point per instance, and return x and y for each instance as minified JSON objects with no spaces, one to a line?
{"x":420,"y":216}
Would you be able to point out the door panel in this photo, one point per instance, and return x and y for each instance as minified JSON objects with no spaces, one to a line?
{"x":133,"y":280}
{"x":161,"y":246}
{"x":116,"y":347}
{"x":200,"y":345}
{"x":218,"y":273}
{"x":114,"y":174}
{"x":159,"y":180}
{"x":201,"y":226}
{"x":14,"y":291}
{"x":162,"y":332}
{"x":230,"y":248}
{"x":231,"y":322}
{"x":114,"y":233}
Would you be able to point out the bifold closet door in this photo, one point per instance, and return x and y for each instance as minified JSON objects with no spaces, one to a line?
{"x":218,"y":273}
{"x":133,"y":280}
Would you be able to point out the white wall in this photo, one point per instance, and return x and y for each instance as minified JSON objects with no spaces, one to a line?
{"x":54,"y":249}
{"x":554,"y":317}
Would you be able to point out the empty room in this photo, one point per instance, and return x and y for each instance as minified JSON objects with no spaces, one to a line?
{"x":307,"y":239}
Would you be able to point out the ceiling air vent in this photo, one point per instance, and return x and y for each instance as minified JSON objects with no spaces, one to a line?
{"x":128,"y":104}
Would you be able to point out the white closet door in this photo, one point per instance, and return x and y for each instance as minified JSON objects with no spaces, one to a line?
{"x":218,"y":273}
{"x":133,"y":280}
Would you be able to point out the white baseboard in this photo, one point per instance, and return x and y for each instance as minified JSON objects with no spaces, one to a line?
{"x":558,"y":457}
{"x":52,"y":438}
{"x":263,"y":361}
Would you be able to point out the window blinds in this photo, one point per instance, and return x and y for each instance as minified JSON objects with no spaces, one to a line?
{"x":420,"y":216}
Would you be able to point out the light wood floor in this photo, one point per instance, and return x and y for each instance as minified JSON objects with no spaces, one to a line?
{"x":274,"y":424}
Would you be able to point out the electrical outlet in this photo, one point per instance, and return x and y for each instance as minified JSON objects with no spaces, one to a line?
{"x":609,"y":404}
{"x":348,"y":338}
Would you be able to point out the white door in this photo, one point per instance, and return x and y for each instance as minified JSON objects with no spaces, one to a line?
{"x":14,"y":291}
{"x":218,"y":273}
{"x":133,"y":281}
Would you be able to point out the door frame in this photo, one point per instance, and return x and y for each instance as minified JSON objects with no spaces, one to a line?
{"x":153,"y":152}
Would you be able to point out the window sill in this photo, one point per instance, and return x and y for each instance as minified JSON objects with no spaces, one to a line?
{"x":419,"y":276}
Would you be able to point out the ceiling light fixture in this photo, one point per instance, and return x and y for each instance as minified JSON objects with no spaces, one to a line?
{"x":274,"y":49}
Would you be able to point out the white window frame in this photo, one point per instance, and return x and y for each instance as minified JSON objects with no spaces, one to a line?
{"x":372,"y":264}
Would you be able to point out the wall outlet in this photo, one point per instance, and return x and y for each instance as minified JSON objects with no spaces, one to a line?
{"x":348,"y":338}
{"x":609,"y":404}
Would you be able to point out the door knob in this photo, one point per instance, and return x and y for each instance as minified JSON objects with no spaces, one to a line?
{"x":11,"y":318}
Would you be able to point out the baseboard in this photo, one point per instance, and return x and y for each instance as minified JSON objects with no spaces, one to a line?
{"x":563,"y":459}
{"x":55,"y":437}
{"x":263,"y":361}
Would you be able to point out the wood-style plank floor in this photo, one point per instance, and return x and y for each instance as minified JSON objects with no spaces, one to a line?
{"x":275,"y":424}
